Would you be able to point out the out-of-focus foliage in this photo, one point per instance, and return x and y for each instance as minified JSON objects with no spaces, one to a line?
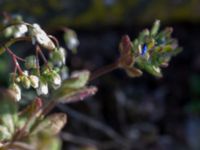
{"x":194,"y":105}
{"x":27,"y":128}
{"x":104,"y":12}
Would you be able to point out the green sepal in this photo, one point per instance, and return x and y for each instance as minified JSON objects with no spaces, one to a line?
{"x":155,"y":28}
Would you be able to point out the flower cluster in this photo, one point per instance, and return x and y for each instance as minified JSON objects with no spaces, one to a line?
{"x":37,"y":78}
{"x":38,"y":75}
{"x":150,"y":51}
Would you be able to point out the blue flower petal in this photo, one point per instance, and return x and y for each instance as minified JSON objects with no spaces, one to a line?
{"x":144,"y":49}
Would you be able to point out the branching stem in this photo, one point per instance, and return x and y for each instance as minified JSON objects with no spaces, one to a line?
{"x":104,"y":70}
{"x":15,"y":59}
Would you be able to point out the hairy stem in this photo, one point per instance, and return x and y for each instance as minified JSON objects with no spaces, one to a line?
{"x":49,"y":107}
{"x":104,"y":70}
{"x":15,"y":59}
{"x":39,"y":51}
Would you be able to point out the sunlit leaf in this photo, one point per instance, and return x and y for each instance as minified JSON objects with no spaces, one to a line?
{"x":73,"y":95}
{"x":45,"y":141}
{"x":53,"y":124}
{"x":4,"y":133}
{"x":8,"y":110}
{"x":77,"y":80}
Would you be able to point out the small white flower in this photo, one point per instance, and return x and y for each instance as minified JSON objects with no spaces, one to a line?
{"x":42,"y":38}
{"x":72,"y":42}
{"x":62,"y":54}
{"x":58,"y":56}
{"x":25,"y":72}
{"x":57,"y":80}
{"x":34,"y":81}
{"x":26,"y":82}
{"x":71,"y":39}
{"x":36,"y":26}
{"x":21,"y":30}
{"x":14,"y":87}
{"x":43,"y":88}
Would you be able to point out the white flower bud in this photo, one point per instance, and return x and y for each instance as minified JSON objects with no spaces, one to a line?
{"x":26,"y":82}
{"x":21,"y":30}
{"x":71,"y":39}
{"x":17,"y":91}
{"x":34,"y":81}
{"x":8,"y":31}
{"x":63,"y":54}
{"x":43,"y":88}
{"x":25,"y":72}
{"x":72,"y":43}
{"x":56,"y":83}
{"x":42,"y":38}
{"x":58,"y":56}
{"x":18,"y":79}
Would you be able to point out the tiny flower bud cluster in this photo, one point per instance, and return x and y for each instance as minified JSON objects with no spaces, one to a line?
{"x":150,"y":51}
{"x":49,"y":76}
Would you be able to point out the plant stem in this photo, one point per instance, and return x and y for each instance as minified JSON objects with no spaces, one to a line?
{"x":49,"y":107}
{"x":38,"y":49}
{"x":104,"y":70}
{"x":15,"y":60}
{"x":12,"y":41}
{"x":37,"y":61}
{"x":54,"y":39}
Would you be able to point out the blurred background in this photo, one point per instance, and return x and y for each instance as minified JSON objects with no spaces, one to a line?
{"x":143,"y":113}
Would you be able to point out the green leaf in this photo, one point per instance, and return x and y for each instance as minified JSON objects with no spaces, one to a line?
{"x":153,"y":70}
{"x":52,"y":124}
{"x":4,"y":133}
{"x":73,"y":95}
{"x":78,"y":80}
{"x":31,"y":113}
{"x":8,"y":112}
{"x":2,"y":50}
{"x":45,"y":141}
